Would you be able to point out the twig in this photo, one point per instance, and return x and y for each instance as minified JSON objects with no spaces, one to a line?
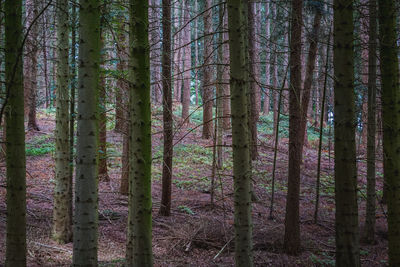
{"x":55,"y":248}
{"x":222,"y":249}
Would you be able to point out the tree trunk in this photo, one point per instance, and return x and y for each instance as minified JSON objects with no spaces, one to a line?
{"x":155,"y":50}
{"x":30,"y":63}
{"x":226,"y":103}
{"x":177,"y":52}
{"x":165,"y":207}
{"x":346,"y":216}
{"x":266,"y":106}
{"x":45,"y":65}
{"x":292,"y":220}
{"x":219,"y":96}
{"x":207,"y":73}
{"x":305,"y":96}
{"x":139,"y":247}
{"x":187,"y":62}
{"x":391,"y":134}
{"x":254,"y":72}
{"x":103,"y":173}
{"x":369,"y":229}
{"x":240,"y":136}
{"x":15,"y":138}
{"x":72,"y":114}
{"x":196,"y":52}
{"x":86,"y":195}
{"x":62,"y":221}
{"x":121,"y":83}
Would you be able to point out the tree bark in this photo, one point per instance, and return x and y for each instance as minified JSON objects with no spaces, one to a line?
{"x":187,"y":57}
{"x":240,"y":135}
{"x":254,"y":72}
{"x":165,"y":207}
{"x":267,"y":105}
{"x":369,"y":229}
{"x":346,"y":216}
{"x":305,"y":96}
{"x":86,"y":195}
{"x":139,"y":236}
{"x":207,"y":73}
{"x":30,"y":63}
{"x":120,"y":93}
{"x":292,"y":220}
{"x":62,"y":221}
{"x":391,"y":135}
{"x":226,"y":109}
{"x":103,"y":172}
{"x":15,"y":138}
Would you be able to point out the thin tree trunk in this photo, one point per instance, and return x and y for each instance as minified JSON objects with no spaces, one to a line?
{"x":305,"y":96}
{"x":72,"y":112}
{"x":196,"y":52}
{"x":292,"y":220}
{"x":121,"y":83}
{"x":369,"y":229}
{"x":226,"y":103}
{"x":321,"y":131}
{"x":103,"y":172}
{"x":45,"y":65}
{"x":187,"y":62}
{"x":254,"y":72}
{"x":207,"y":73}
{"x":165,"y":207}
{"x":267,"y":92}
{"x":30,"y":66}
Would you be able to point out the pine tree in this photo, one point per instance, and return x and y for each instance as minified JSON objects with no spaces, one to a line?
{"x":369,"y":230}
{"x":207,"y":72}
{"x":346,"y":216}
{"x":391,"y":124}
{"x":240,"y":135}
{"x":292,"y":220}
{"x":139,"y":243}
{"x":86,"y":195}
{"x":62,"y":220}
{"x":15,"y":137}
{"x":165,"y":207}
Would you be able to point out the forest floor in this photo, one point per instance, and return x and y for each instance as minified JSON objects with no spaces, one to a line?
{"x":196,"y":233}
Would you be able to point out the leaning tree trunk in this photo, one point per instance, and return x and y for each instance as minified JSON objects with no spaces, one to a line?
{"x":165,"y":206}
{"x":292,"y":220}
{"x":62,"y":220}
{"x":391,"y":124}
{"x":207,"y":72}
{"x":139,"y":247}
{"x":86,"y":195}
{"x":306,"y":94}
{"x":15,"y":137}
{"x":240,"y":135}
{"x":346,"y":216}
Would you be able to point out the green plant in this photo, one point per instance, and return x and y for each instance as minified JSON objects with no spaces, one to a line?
{"x":186,"y":210}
